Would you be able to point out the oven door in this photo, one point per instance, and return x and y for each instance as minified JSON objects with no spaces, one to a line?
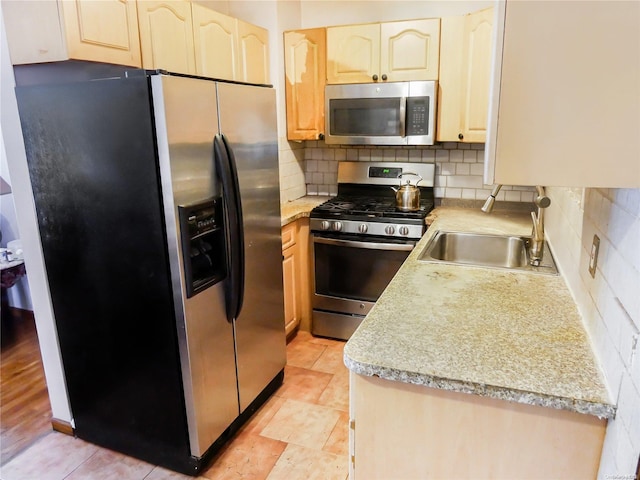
{"x":350,"y":274}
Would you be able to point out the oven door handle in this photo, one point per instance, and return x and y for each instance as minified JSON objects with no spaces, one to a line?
{"x":405,"y":247}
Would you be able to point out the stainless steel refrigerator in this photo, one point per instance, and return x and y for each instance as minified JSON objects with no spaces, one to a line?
{"x":157,"y":198}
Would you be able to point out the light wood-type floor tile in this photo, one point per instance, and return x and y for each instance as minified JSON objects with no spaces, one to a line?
{"x":306,"y":336}
{"x":303,"y":384}
{"x":338,"y":441}
{"x":261,"y":418}
{"x":302,"y":463}
{"x":336,"y":393}
{"x":301,"y":353}
{"x":53,"y":457}
{"x":159,"y":473}
{"x":331,"y":360}
{"x":108,"y":465}
{"x":302,"y":423}
{"x":248,"y":456}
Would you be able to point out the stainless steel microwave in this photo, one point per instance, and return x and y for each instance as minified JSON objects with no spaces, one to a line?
{"x":395,"y":113}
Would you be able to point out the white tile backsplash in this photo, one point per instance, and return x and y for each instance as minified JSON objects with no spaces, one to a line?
{"x":609,"y":303}
{"x":291,"y":157}
{"x":459,"y":168}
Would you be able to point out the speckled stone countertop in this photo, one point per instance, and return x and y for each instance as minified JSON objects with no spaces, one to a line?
{"x":299,"y":208}
{"x":509,"y":335}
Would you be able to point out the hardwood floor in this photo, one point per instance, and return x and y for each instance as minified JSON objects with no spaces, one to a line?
{"x":25,"y":413}
{"x":301,"y":432}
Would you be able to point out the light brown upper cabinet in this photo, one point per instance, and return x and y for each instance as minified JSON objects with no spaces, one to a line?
{"x":305,"y":59}
{"x":215,"y":42}
{"x":166,"y":35}
{"x":465,"y":76}
{"x":185,"y":37}
{"x":50,"y":31}
{"x":253,"y":45}
{"x":565,"y":105}
{"x":383,"y":52}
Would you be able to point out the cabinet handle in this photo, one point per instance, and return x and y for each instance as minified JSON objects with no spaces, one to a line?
{"x":384,"y":76}
{"x":460,"y":136}
{"x":375,"y":78}
{"x":321,"y":136}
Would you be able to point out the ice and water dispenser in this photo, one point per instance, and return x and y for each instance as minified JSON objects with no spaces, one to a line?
{"x":203,"y":245}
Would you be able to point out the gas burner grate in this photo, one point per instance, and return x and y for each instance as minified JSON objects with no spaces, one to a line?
{"x":371,"y":207}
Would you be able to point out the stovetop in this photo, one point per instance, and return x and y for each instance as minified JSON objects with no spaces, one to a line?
{"x":369,"y":208}
{"x":366,"y":201}
{"x":369,"y":216}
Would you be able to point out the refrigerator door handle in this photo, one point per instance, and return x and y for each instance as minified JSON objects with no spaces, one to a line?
{"x":233,"y":225}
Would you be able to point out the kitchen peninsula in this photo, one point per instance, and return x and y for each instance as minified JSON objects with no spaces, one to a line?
{"x":462,"y":371}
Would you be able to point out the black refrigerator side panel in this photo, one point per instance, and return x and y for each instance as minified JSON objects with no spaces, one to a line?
{"x":93,"y":166}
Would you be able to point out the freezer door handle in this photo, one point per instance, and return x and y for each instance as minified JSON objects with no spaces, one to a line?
{"x":225,"y":165}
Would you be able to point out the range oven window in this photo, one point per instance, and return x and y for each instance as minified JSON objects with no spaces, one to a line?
{"x":365,"y":117}
{"x":352,"y":272}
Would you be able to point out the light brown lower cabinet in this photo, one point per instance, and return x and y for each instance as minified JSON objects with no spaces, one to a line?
{"x":406,"y":431}
{"x":295,"y":269}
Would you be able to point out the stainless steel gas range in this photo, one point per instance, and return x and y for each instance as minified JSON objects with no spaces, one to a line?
{"x":360,"y":240}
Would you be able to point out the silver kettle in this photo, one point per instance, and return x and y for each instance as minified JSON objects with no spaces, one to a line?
{"x":408,"y":196}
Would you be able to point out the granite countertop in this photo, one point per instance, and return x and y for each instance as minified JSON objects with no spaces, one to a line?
{"x":509,"y":335}
{"x":299,"y":208}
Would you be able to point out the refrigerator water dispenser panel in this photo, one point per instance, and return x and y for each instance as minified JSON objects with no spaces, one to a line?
{"x":203,"y":249}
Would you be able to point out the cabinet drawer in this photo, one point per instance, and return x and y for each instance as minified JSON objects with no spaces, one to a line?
{"x":288,"y":235}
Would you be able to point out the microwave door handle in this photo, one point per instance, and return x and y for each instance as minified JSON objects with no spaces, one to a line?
{"x":403,"y":116}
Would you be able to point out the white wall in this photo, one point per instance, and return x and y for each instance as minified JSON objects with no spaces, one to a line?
{"x":28,"y":226}
{"x":609,"y":303}
{"x":320,"y":13}
{"x":18,"y":295}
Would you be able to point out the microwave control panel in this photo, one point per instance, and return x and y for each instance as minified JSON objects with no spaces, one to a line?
{"x":417,"y":116}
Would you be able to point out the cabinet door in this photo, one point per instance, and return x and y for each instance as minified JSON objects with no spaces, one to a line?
{"x":214,"y":38}
{"x":562,"y":114}
{"x":353,"y":53}
{"x":450,"y":81}
{"x":410,"y":50}
{"x":253,"y":46}
{"x":50,"y":31}
{"x":465,"y":73}
{"x":305,"y":73}
{"x":289,"y":272}
{"x":166,"y":35}
{"x":476,"y":74}
{"x":104,"y":31}
{"x":291,"y":276}
{"x":34,"y":32}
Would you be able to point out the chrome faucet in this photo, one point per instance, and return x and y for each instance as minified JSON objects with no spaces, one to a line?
{"x":537,"y":236}
{"x":536,"y":248}
{"x":491,"y":199}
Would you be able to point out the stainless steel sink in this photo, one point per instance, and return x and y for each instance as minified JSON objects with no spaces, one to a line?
{"x":485,"y":250}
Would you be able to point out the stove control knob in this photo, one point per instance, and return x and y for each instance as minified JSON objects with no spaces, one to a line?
{"x":337,"y":226}
{"x":404,"y":231}
{"x":389,"y":230}
{"x":363,"y":228}
{"x":325,"y":225}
